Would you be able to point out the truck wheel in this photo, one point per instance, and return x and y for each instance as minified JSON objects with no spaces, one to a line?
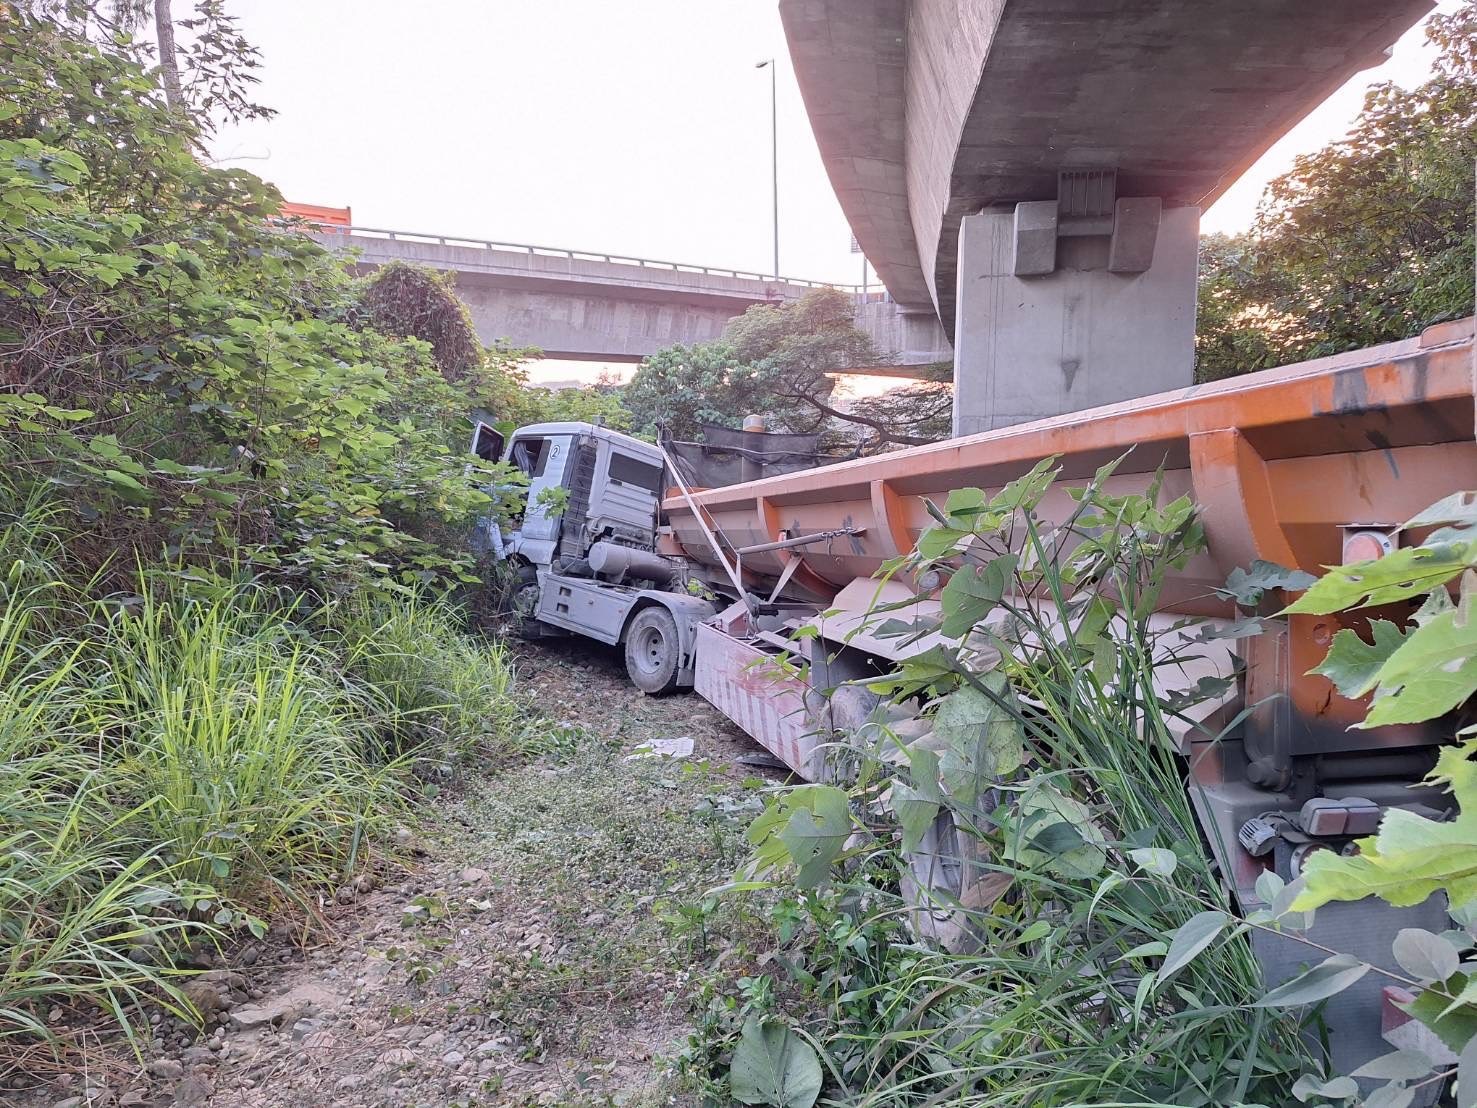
{"x":653,"y":651}
{"x":946,"y":887}
{"x":524,"y":603}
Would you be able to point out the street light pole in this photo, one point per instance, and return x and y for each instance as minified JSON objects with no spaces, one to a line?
{"x":774,"y":157}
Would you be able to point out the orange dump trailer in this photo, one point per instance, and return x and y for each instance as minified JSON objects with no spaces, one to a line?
{"x":1288,"y":465}
{"x":1304,"y":466}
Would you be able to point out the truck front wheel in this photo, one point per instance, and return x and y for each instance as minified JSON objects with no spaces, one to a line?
{"x":523,"y":601}
{"x":653,"y":651}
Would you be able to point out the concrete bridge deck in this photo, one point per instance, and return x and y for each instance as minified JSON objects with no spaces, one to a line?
{"x":608,"y":307}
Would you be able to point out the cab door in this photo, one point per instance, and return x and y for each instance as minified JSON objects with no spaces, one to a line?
{"x":545,"y":459}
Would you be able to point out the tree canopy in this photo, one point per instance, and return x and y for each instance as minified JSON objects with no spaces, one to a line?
{"x":1367,"y":240}
{"x":775,"y":361}
{"x":185,"y":371}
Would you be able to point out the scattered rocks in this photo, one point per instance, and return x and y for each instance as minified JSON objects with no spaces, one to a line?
{"x":193,"y":1090}
{"x":288,"y":1007}
{"x":305,"y":1027}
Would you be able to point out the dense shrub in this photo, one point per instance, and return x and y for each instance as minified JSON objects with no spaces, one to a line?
{"x":194,"y":374}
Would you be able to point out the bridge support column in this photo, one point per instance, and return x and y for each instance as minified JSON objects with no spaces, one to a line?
{"x":1051,"y":320}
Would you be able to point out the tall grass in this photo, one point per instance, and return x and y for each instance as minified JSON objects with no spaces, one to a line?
{"x":238,"y":743}
{"x":193,"y":756}
{"x":431,"y":686}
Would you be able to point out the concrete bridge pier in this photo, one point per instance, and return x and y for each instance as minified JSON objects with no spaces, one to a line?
{"x":1060,"y":309}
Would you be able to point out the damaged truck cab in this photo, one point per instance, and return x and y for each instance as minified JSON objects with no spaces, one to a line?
{"x":585,"y":551}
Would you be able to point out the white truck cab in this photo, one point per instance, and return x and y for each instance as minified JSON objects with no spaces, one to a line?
{"x":586,"y":551}
{"x":613,"y":487}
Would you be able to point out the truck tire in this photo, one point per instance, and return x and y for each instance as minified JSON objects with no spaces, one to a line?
{"x":653,"y":651}
{"x":946,"y":887}
{"x":523,"y":600}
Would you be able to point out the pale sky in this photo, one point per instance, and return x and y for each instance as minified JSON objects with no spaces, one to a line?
{"x":638,"y":127}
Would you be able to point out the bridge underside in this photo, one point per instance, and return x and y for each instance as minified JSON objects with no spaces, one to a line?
{"x":927,"y":111}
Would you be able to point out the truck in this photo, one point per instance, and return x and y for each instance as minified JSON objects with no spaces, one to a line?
{"x":1306,"y":466}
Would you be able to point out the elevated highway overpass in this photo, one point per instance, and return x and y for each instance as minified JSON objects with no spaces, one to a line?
{"x":610,"y":308}
{"x":1033,"y":171}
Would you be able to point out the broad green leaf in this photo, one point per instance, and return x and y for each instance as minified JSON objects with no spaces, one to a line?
{"x":1352,"y":664}
{"x":1247,"y":586}
{"x":775,"y":1066}
{"x":1044,"y":820}
{"x":1193,"y":936}
{"x":1459,"y":508}
{"x":1398,"y":1065}
{"x":940,"y":542}
{"x":923,"y":771}
{"x":1466,"y":1076}
{"x":972,"y":593}
{"x":1027,"y":490}
{"x":985,"y":739}
{"x":816,"y":832}
{"x":125,"y":481}
{"x":1155,"y":859}
{"x":1456,"y":1026}
{"x":1402,"y":574}
{"x":915,"y":813}
{"x":1432,"y":672}
{"x":1339,"y":1088}
{"x":1389,"y":1096}
{"x":964,"y":500}
{"x":1425,"y":956}
{"x":1329,"y":978}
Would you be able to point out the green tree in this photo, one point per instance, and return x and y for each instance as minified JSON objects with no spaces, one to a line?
{"x":1368,"y":240}
{"x":182,"y":370}
{"x":777,"y":361}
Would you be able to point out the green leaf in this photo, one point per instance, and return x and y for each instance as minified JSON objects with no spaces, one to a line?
{"x":1425,"y":956}
{"x":972,"y":593}
{"x":775,"y":1066}
{"x":1352,"y":664}
{"x":1454,"y":1025}
{"x":1044,"y":809}
{"x":1410,"y":857}
{"x":1432,"y":672}
{"x":1400,"y":575}
{"x":1155,"y":859}
{"x":983,"y":736}
{"x":1389,"y":1096}
{"x":816,"y":832}
{"x":124,"y":481}
{"x":1192,"y":937}
{"x":1338,"y":1088}
{"x":915,"y":813}
{"x":1328,"y":978}
{"x":1398,"y":1065}
{"x":1460,"y":508}
{"x":1247,"y":586}
{"x":940,"y":542}
{"x":1466,"y":1076}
